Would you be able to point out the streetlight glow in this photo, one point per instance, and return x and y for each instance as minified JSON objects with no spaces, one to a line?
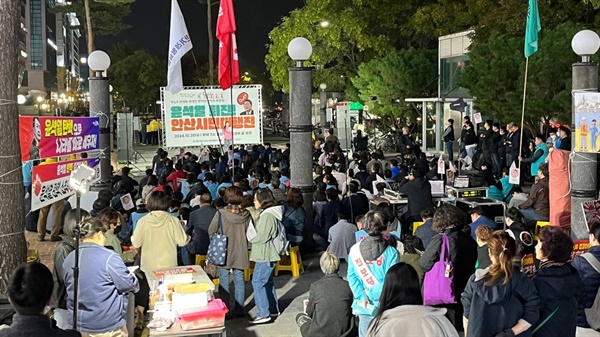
{"x":324,"y":23}
{"x":39,"y":99}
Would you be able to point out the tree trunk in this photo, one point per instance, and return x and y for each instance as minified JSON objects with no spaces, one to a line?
{"x":211,"y":66}
{"x":89,"y":31}
{"x":13,"y":248}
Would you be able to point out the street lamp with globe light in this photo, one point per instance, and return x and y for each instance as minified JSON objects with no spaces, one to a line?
{"x":584,"y":174}
{"x":299,"y":50}
{"x":324,"y":24}
{"x":99,"y":62}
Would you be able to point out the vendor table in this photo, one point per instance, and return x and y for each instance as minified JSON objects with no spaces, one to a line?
{"x":175,"y":331}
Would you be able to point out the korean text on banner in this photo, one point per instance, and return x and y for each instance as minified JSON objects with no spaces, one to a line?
{"x":46,"y":137}
{"x":188,"y":120}
{"x":51,"y":181}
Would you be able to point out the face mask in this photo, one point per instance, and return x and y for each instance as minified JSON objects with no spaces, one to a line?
{"x":118,"y":229}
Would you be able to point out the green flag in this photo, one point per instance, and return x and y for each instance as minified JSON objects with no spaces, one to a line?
{"x":533,"y":27}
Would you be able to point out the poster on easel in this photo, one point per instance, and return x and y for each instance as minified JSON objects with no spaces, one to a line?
{"x":587,"y":117}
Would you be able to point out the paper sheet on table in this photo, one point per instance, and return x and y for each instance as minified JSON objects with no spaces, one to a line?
{"x":251,"y":231}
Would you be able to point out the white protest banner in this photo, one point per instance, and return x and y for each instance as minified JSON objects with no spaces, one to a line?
{"x":514,"y":174}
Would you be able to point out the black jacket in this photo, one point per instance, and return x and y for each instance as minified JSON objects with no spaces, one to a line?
{"x":362,"y":177}
{"x":450,"y":134}
{"x":329,"y":306}
{"x":558,"y":288}
{"x":468,"y":136}
{"x":495,"y":142}
{"x":357,"y":204}
{"x":35,"y":325}
{"x":483,"y":257}
{"x":565,"y":144}
{"x":59,"y":294}
{"x":197,"y":228}
{"x":515,"y":140}
{"x":463,"y":254}
{"x":492,"y":309}
{"x":485,"y":138}
{"x":418,"y":191}
{"x":524,"y":240}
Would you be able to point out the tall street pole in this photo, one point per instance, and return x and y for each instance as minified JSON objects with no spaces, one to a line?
{"x":300,"y":128}
{"x":584,"y":176}
{"x":99,"y":61}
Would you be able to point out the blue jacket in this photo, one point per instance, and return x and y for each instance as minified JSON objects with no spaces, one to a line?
{"x":379,"y":267}
{"x":480,"y":222}
{"x":293,"y":221}
{"x":132,"y":222}
{"x":213,"y":189}
{"x":425,"y":233}
{"x":590,"y":282}
{"x":104,"y":283}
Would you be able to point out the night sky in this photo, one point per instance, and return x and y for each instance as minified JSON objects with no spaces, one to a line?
{"x":150,"y":20}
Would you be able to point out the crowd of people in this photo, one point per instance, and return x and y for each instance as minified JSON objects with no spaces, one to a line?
{"x":183,"y":200}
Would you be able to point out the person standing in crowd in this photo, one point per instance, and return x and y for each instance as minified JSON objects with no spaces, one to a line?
{"x":514,"y":143}
{"x":29,"y":293}
{"x":366,"y":279}
{"x":329,"y":312}
{"x":557,"y":283}
{"x":425,"y":232}
{"x":500,"y":301}
{"x":401,"y":310}
{"x":502,"y":147}
{"x":57,"y":208}
{"x":540,"y":153}
{"x":449,"y":138}
{"x":418,"y":190}
{"x":564,"y":140}
{"x":470,"y":139}
{"x":485,"y":140}
{"x":197,"y":226}
{"x":104,"y":283}
{"x":588,"y":267}
{"x":233,"y":222}
{"x":158,"y":234}
{"x":494,"y":147}
{"x":537,"y":205}
{"x":294,"y":216}
{"x":450,"y":220}
{"x":227,"y":135}
{"x":265,"y":256}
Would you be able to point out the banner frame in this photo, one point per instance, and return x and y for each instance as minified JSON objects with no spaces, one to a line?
{"x":163,"y":138}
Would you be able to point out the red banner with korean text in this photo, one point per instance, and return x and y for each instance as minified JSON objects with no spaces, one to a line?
{"x":47,"y":137}
{"x":51,"y":181}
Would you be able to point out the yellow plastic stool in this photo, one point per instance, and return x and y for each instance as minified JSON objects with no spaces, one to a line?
{"x":538,"y":227}
{"x":416,"y":225}
{"x":248,"y":272}
{"x":201,"y":260}
{"x":295,"y":263}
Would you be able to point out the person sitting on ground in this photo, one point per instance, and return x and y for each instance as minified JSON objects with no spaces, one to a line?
{"x":540,"y":153}
{"x":373,"y":177}
{"x":356,"y":202}
{"x":278,"y":193}
{"x":478,"y":218}
{"x":329,"y":212}
{"x":29,"y":293}
{"x":520,"y":233}
{"x":424,"y":232}
{"x":537,"y":205}
{"x":518,"y":197}
{"x":483,"y":234}
{"x":432,"y":174}
{"x":341,"y":235}
{"x":401,"y":311}
{"x":413,"y":249}
{"x":144,"y":180}
{"x":176,"y":175}
{"x":294,"y":216}
{"x":127,"y":182}
{"x":557,"y":283}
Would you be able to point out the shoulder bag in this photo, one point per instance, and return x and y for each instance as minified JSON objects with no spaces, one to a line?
{"x":438,"y":286}
{"x":217,"y":249}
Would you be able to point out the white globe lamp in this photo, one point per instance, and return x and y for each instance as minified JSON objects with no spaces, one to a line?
{"x":299,"y":50}
{"x":323,"y":86}
{"x":21,"y":99}
{"x":585,"y":44}
{"x":99,"y":61}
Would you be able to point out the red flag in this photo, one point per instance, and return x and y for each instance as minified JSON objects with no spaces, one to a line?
{"x":229,"y":70}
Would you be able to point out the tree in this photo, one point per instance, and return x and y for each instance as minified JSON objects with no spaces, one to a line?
{"x":138,"y":77}
{"x":104,"y":17}
{"x":394,"y":77}
{"x":358,"y":31}
{"x":211,"y":39}
{"x":13,"y":248}
{"x":496,"y":74}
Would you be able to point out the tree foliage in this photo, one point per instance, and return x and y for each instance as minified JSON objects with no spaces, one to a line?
{"x":107,"y":15}
{"x":396,"y":76}
{"x":137,"y":78}
{"x":495,"y":76}
{"x":358,"y":31}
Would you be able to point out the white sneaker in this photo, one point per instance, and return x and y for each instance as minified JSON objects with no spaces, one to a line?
{"x":260,"y":320}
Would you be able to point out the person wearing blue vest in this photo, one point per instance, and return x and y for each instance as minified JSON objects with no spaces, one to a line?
{"x":540,"y":153}
{"x":368,"y":262}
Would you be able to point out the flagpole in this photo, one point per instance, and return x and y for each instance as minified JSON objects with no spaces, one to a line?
{"x":232,"y":108}
{"x":523,"y":110}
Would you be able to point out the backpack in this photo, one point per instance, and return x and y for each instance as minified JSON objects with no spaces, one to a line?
{"x":280,"y":241}
{"x":592,"y":315}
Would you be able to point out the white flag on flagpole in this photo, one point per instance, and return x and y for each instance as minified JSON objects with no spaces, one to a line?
{"x":179,"y":44}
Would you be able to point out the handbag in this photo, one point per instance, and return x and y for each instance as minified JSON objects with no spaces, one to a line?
{"x":217,"y":249}
{"x":438,"y":286}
